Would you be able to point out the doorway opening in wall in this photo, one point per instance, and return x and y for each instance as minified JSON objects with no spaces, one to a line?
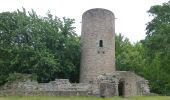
{"x":121,"y":88}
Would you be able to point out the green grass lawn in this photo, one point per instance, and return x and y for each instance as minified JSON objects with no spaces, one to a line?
{"x":86,"y":98}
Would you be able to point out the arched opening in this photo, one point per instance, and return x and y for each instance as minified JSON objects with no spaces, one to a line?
{"x":101,"y":43}
{"x":121,"y":88}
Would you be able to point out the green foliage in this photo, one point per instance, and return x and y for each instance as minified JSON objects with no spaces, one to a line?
{"x":48,"y":48}
{"x":157,"y":46}
{"x":44,"y":46}
{"x":150,"y":57}
{"x":19,"y":77}
{"x":129,"y":56}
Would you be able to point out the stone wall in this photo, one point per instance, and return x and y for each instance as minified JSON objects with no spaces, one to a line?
{"x":132,"y":84}
{"x":105,"y":85}
{"x":59,"y":87}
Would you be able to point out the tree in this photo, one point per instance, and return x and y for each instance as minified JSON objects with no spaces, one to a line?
{"x":129,"y":57}
{"x":43,"y":46}
{"x":157,"y":46}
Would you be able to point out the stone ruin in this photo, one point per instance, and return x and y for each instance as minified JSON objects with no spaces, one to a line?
{"x":59,"y":87}
{"x":121,"y":83}
{"x":98,"y":58}
{"x":98,"y":76}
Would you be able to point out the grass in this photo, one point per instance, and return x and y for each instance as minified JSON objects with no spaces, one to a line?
{"x":86,"y":98}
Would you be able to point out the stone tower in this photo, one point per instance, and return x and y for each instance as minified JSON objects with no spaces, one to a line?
{"x":98,"y":44}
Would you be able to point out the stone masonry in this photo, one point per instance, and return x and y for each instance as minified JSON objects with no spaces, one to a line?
{"x":98,"y":76}
{"x":97,"y":44}
{"x":59,"y":87}
{"x":98,"y":58}
{"x":105,"y":85}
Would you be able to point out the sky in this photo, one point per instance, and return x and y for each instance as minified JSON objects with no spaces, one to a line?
{"x":131,"y":15}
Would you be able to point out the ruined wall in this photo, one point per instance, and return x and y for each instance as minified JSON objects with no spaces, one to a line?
{"x":97,"y":73}
{"x":105,"y":85}
{"x":59,"y":87}
{"x":97,"y":44}
{"x":132,"y":84}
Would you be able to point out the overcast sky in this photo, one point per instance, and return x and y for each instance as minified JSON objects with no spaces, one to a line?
{"x":131,"y":15}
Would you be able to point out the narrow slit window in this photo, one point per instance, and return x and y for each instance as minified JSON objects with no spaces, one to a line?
{"x":101,"y":43}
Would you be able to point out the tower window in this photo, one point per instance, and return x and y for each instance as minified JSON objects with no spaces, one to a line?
{"x":101,"y":43}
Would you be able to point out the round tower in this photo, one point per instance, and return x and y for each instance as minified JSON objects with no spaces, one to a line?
{"x":97,"y":44}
